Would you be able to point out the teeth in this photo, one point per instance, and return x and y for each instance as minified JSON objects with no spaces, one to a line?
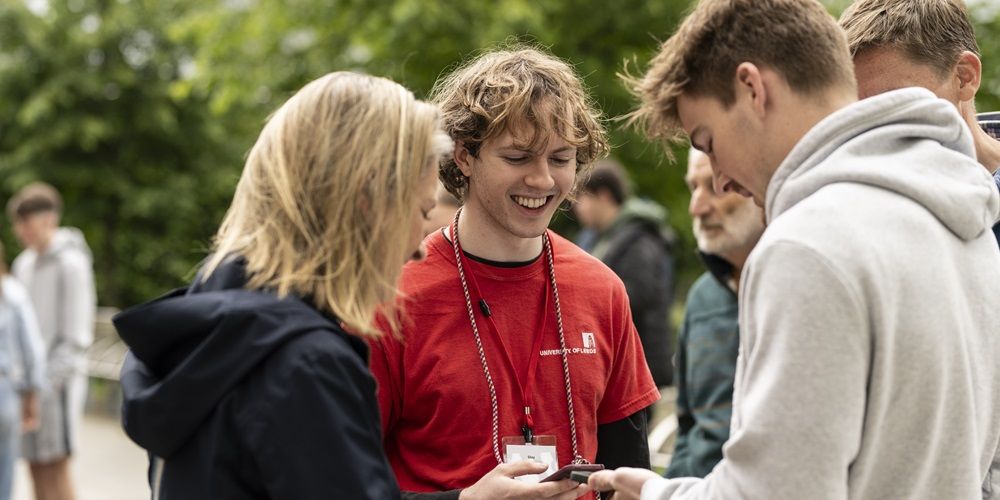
{"x":529,"y":202}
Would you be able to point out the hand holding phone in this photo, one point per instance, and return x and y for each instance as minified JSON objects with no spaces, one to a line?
{"x":565,"y":472}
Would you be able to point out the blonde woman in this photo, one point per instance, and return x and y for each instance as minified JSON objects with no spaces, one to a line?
{"x":246,"y":384}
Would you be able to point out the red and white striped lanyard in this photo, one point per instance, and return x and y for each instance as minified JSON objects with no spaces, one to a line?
{"x":495,"y":437}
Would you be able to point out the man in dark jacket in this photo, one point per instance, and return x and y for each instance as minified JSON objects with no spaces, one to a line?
{"x":727,"y":227}
{"x":631,"y":236}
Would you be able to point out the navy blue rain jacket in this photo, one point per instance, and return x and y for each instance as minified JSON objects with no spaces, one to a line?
{"x":245,"y":396}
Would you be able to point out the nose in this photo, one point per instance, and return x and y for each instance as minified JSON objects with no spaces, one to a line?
{"x":700,"y":202}
{"x":539,"y":175}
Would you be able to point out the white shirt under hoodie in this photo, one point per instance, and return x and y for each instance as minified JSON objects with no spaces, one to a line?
{"x":869,"y":318}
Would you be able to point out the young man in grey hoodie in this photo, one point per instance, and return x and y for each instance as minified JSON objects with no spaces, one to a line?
{"x":56,"y":268}
{"x":868,"y":351}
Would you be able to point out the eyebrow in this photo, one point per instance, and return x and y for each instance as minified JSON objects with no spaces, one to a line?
{"x":524,"y":149}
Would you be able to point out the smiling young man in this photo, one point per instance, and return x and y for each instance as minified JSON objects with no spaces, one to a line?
{"x":512,"y":334}
{"x":867,"y":366}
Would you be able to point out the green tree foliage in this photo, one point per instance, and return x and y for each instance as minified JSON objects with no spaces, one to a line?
{"x":89,"y":107}
{"x":141,"y":111}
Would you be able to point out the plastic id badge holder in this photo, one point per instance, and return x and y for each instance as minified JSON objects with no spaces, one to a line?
{"x":542,"y":448}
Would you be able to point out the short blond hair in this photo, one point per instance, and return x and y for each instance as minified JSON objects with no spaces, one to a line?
{"x":513,"y":90}
{"x":327,"y":192}
{"x":797,"y":38}
{"x":930,"y":32}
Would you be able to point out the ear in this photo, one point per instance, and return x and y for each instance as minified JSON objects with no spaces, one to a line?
{"x":750,"y":84}
{"x":461,"y":157}
{"x":969,"y":70}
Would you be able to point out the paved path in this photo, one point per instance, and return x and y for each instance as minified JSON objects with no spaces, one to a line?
{"x":109,"y":466}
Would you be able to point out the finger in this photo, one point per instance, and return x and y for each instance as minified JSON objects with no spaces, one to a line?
{"x":521,"y":468}
{"x":602,"y":480}
{"x":577,"y":492}
{"x":556,"y":489}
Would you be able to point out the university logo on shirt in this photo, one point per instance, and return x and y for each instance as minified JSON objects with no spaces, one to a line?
{"x":589,"y":346}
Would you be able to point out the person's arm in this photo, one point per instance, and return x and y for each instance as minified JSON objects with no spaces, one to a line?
{"x":436,"y":495}
{"x":31,"y":355}
{"x":31,"y":348}
{"x":804,"y":375}
{"x":77,"y":306}
{"x":680,"y":460}
{"x":624,"y":443}
{"x":499,"y":484}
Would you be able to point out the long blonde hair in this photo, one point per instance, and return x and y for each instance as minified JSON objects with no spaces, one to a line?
{"x":325,"y":200}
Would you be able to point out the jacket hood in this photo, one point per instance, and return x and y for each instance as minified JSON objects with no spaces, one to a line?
{"x":189,"y":348}
{"x":69,"y":239}
{"x":647,"y":213}
{"x":906,"y":141}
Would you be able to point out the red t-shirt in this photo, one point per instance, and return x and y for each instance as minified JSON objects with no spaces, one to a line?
{"x":435,"y":403}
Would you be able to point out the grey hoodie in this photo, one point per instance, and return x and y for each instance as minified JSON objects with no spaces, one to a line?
{"x":869,"y":353}
{"x":61,"y":284}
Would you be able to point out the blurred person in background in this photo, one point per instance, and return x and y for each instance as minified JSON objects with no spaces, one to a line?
{"x":922,"y":43}
{"x":632,"y":237}
{"x":22,"y":373}
{"x":726,"y":227}
{"x":56,"y":267}
{"x":247,"y":384}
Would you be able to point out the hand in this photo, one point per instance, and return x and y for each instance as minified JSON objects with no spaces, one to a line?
{"x":625,"y":481}
{"x":29,"y":411}
{"x":499,"y":483}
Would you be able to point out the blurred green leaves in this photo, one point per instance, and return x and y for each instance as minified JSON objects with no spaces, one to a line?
{"x":141,"y":111}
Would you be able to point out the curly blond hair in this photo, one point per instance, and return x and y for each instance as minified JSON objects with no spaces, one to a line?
{"x":797,"y":38}
{"x":516,"y":89}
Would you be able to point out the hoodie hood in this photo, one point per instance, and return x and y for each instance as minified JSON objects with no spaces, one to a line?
{"x":894,"y":141}
{"x":189,"y":348}
{"x":67,"y":239}
{"x":636,"y":215}
{"x":648,"y":213}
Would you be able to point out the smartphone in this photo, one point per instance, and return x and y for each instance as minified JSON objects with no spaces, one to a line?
{"x":990,"y":123}
{"x":565,"y":471}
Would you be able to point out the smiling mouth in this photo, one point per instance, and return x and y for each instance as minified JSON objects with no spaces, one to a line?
{"x":531,"y":203}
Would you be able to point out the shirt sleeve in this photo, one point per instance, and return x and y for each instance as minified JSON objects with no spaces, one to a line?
{"x":624,"y":443}
{"x":630,"y":386}
{"x":76,"y":319}
{"x":801,"y":388}
{"x":680,"y":460}
{"x":31,"y":347}
{"x":385,"y":363}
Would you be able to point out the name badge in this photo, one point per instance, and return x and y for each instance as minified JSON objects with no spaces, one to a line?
{"x":541,"y":449}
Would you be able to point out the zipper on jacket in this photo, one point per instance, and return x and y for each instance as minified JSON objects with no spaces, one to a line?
{"x":158,"y":465}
